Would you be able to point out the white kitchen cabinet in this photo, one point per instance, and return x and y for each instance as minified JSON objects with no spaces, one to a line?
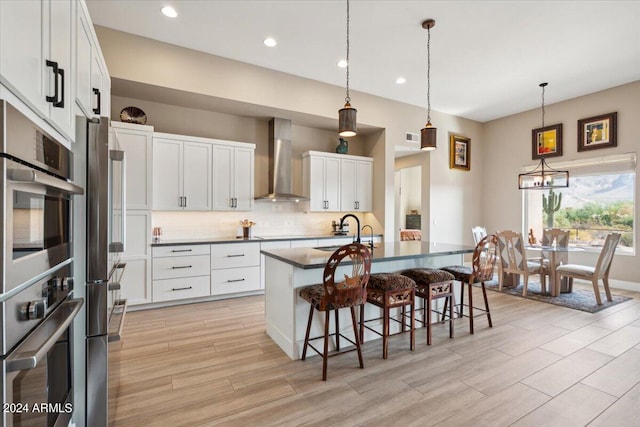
{"x":321,"y":181}
{"x":337,"y":182}
{"x":93,"y":85}
{"x":180,"y":272}
{"x":136,"y":280}
{"x":182,"y":174}
{"x":356,"y":185}
{"x":137,"y":143}
{"x":233,"y":185}
{"x":35,"y":64}
{"x":235,"y":267}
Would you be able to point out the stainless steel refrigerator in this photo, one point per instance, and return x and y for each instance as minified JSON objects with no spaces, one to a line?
{"x":105,"y":244}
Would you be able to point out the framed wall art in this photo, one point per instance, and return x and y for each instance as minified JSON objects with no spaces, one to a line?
{"x":546,"y":142}
{"x":597,"y":132}
{"x":459,"y":152}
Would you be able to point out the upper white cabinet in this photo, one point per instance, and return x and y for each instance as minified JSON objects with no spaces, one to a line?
{"x":321,"y":181}
{"x":356,"y":185}
{"x":337,"y":182}
{"x":182,"y":174}
{"x":233,"y":177}
{"x":35,"y":64}
{"x":137,"y":142}
{"x":93,"y":85}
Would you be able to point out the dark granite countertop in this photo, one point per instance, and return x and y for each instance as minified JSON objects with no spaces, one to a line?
{"x":307,"y":258}
{"x":214,"y":240}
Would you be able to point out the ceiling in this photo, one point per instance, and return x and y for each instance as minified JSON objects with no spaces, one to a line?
{"x":487,"y":57}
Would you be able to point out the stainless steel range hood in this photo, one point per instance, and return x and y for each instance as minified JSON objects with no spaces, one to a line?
{"x":280,"y":186}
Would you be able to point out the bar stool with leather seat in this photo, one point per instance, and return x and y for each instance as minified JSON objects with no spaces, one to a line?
{"x":387,"y":291}
{"x":333,"y":294}
{"x":433,"y":284}
{"x":483,"y":263}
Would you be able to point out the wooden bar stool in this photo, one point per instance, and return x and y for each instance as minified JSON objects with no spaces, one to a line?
{"x":431,"y":285}
{"x":483,"y":263}
{"x":387,"y":291}
{"x":333,"y":294}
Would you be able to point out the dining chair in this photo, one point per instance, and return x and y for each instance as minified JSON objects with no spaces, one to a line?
{"x":335,"y":293}
{"x":600,"y":271}
{"x":513,"y":260}
{"x":561,"y":239}
{"x":479,"y":233}
{"x":483,"y":264}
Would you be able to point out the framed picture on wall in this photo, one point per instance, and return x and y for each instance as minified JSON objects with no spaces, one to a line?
{"x":597,"y":132}
{"x":459,"y":152}
{"x":546,"y":142}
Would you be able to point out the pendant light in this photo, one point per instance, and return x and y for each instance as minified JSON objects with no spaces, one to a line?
{"x":428,"y":133}
{"x":543,"y":177}
{"x":347,"y":123}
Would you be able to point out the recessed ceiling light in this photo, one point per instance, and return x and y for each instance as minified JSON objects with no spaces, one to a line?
{"x":342,"y":63}
{"x":401,"y":80}
{"x":169,"y":11}
{"x":270,"y":42}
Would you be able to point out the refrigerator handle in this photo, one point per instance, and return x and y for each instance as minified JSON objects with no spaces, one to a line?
{"x":119,"y":156}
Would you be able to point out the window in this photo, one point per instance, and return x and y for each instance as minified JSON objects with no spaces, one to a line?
{"x":600,"y":199}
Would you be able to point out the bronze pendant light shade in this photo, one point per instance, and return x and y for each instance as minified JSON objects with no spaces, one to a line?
{"x":347,"y":121}
{"x":428,"y":134}
{"x":543,"y":177}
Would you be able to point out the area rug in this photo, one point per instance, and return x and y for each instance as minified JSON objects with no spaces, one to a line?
{"x":579,"y":299}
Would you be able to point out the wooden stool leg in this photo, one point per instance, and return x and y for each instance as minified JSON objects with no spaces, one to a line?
{"x":486,"y":304}
{"x":362,"y":323}
{"x":355,"y":333}
{"x":326,"y":345}
{"x":404,"y":316}
{"x":452,"y":303}
{"x":413,"y":321}
{"x":306,"y":337}
{"x":337,"y":331}
{"x":461,"y":312}
{"x":428,"y":309}
{"x":470,"y":307}
{"x":385,"y":330}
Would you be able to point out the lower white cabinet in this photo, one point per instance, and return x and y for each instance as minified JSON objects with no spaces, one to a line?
{"x":180,"y":288}
{"x":235,"y":267}
{"x":232,"y":280}
{"x":181,"y":272}
{"x":135,"y":285}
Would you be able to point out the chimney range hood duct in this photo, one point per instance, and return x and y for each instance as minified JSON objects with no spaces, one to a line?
{"x":280,"y":163}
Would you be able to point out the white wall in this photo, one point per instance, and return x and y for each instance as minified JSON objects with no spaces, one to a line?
{"x":508,"y":149}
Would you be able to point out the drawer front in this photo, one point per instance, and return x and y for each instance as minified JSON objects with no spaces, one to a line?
{"x":232,"y":280}
{"x":184,"y":266}
{"x":231,"y":255}
{"x":180,"y":250}
{"x":174,"y":289}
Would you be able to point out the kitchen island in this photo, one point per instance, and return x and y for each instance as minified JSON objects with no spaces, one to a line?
{"x":287,"y":270}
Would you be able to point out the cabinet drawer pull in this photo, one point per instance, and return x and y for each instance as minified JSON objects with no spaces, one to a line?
{"x":233,"y":256}
{"x":60,"y":104}
{"x":235,"y":280}
{"x":181,"y":266}
{"x":182,"y":289}
{"x":182,"y":250}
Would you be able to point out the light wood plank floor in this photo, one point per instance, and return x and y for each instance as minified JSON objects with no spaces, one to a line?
{"x":213,"y":364}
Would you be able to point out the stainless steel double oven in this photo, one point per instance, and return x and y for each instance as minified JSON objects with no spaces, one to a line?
{"x":36,"y":305}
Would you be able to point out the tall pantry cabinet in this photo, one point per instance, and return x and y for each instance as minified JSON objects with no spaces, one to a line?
{"x":136,"y":141}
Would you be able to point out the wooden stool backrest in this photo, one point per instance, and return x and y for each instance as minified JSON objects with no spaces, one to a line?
{"x":484,"y":258}
{"x":350,"y":290}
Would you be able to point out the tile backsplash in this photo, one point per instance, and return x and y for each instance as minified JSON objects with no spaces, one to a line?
{"x":272,"y":219}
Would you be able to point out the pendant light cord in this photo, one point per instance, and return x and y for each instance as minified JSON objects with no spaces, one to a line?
{"x":543,"y":85}
{"x":347,"y":99}
{"x":428,"y":75}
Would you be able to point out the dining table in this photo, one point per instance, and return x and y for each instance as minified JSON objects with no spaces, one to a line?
{"x":557,"y":255}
